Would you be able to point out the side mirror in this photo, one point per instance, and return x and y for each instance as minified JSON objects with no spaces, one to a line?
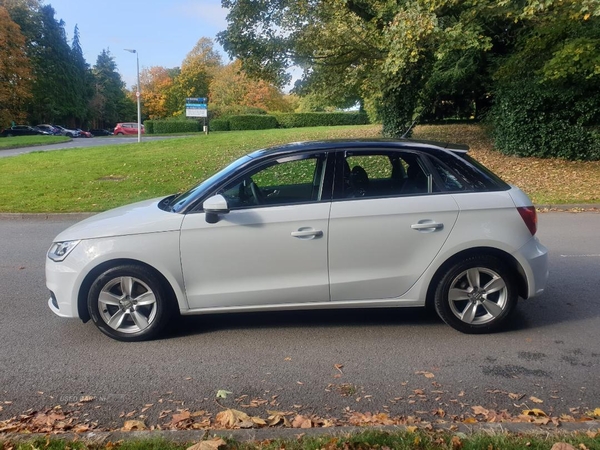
{"x":214,"y":206}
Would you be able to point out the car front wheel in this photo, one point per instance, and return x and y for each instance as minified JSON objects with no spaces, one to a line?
{"x":128,"y":303}
{"x":476,"y":295}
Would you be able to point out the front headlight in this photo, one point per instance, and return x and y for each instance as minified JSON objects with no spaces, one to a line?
{"x":60,"y":250}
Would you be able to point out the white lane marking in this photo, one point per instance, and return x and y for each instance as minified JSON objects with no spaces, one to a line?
{"x":581,"y":256}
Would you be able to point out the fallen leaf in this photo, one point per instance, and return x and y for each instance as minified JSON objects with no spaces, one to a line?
{"x":535,"y":399}
{"x":470,"y":420}
{"x":222,"y":393}
{"x":480,"y":410}
{"x":516,"y":396}
{"x":211,"y":444}
{"x":425,"y":374}
{"x":562,"y":446}
{"x":134,"y":425}
{"x":596,"y":412}
{"x":232,"y":418}
{"x":456,"y":443}
{"x":534,"y":412}
{"x":276,"y":418}
{"x":301,"y":422}
{"x":411,"y":428}
{"x":180,"y":417}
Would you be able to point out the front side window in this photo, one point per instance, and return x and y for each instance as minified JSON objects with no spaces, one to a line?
{"x":279,"y":182}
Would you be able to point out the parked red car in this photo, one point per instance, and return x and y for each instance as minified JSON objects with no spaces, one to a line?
{"x":127,"y":128}
{"x":85,"y":134}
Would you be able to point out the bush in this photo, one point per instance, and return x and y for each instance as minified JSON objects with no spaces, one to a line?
{"x":175,"y":126}
{"x":221,"y":112}
{"x":320,"y":119}
{"x":219,"y":125}
{"x":531,"y":119}
{"x":149,"y":126}
{"x":252,"y":122}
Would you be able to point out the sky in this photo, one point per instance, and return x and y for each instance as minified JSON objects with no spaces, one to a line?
{"x":162,"y":31}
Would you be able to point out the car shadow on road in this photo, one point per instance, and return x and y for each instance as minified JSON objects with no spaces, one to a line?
{"x":378,"y":317}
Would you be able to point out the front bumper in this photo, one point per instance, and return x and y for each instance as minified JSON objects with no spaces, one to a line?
{"x":62,"y":279}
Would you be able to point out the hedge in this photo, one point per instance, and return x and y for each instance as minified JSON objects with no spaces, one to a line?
{"x":172,"y":126}
{"x":219,"y":125}
{"x":252,"y":122}
{"x":320,"y":119}
{"x":533,"y":120}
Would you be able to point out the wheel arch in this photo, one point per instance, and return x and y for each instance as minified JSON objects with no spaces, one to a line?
{"x":84,"y":289}
{"x":506,"y":258}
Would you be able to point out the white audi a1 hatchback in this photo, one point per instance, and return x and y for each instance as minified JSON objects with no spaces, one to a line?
{"x":313,"y":225}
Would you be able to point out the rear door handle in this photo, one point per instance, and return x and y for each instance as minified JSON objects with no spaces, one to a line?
{"x":307,"y":233}
{"x":427,"y":225}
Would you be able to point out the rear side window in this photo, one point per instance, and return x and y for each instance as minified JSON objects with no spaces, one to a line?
{"x":460,"y":172}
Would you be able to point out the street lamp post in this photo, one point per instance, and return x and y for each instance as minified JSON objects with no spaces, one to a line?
{"x":138,"y":94}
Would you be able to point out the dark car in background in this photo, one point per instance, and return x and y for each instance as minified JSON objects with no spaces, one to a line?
{"x":49,"y":129}
{"x":67,"y":132}
{"x":22,"y":130}
{"x":101,"y":132}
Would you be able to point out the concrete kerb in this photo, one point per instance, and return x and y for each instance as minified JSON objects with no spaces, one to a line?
{"x":250,"y":435}
{"x":574,"y":207}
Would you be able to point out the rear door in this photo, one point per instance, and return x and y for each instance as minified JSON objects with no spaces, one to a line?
{"x":387,"y":224}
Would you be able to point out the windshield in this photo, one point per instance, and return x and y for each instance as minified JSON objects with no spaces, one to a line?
{"x":180,"y":202}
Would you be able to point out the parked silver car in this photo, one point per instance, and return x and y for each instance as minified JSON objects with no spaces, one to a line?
{"x":334,"y":224}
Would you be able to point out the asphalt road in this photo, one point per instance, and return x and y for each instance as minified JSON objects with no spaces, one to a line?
{"x":81,"y":143}
{"x":288,"y":359}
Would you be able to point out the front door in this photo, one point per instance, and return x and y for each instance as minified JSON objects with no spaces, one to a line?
{"x":271,"y":248}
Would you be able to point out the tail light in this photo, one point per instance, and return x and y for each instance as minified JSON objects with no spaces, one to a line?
{"x":529,"y":216}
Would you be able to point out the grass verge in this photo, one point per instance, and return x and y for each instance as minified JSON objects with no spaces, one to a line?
{"x":373,"y":439}
{"x":28,"y":141}
{"x":99,"y":178}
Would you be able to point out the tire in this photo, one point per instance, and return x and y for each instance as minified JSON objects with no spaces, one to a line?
{"x":9,"y":135}
{"x":115,"y":303}
{"x":119,"y":134}
{"x":463,"y":299}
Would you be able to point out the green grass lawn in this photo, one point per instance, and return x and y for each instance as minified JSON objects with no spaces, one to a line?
{"x":367,"y":440}
{"x":99,"y":178}
{"x":28,"y":141}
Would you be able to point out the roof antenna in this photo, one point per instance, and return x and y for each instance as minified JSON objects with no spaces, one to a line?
{"x":409,"y":130}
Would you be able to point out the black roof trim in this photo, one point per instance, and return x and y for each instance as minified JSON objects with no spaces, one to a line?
{"x":335,"y":144}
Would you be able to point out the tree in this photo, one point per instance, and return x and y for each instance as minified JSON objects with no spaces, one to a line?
{"x":15,"y":71}
{"x":232,"y":87}
{"x":156,"y":83}
{"x":109,"y":98}
{"x":82,"y":83}
{"x":55,"y":78}
{"x":391,"y":54}
{"x":198,"y":69}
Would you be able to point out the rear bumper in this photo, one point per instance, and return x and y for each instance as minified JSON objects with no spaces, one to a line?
{"x":534,"y":260}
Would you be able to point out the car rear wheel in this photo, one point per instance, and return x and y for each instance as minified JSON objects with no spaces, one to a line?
{"x":128,"y":303}
{"x":119,"y":134}
{"x":476,"y":295}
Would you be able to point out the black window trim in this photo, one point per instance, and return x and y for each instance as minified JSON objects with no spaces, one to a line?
{"x":254,"y":164}
{"x":421,"y":160}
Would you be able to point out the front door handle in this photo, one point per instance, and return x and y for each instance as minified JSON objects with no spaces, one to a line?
{"x":427,"y":225}
{"x":307,"y":233}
